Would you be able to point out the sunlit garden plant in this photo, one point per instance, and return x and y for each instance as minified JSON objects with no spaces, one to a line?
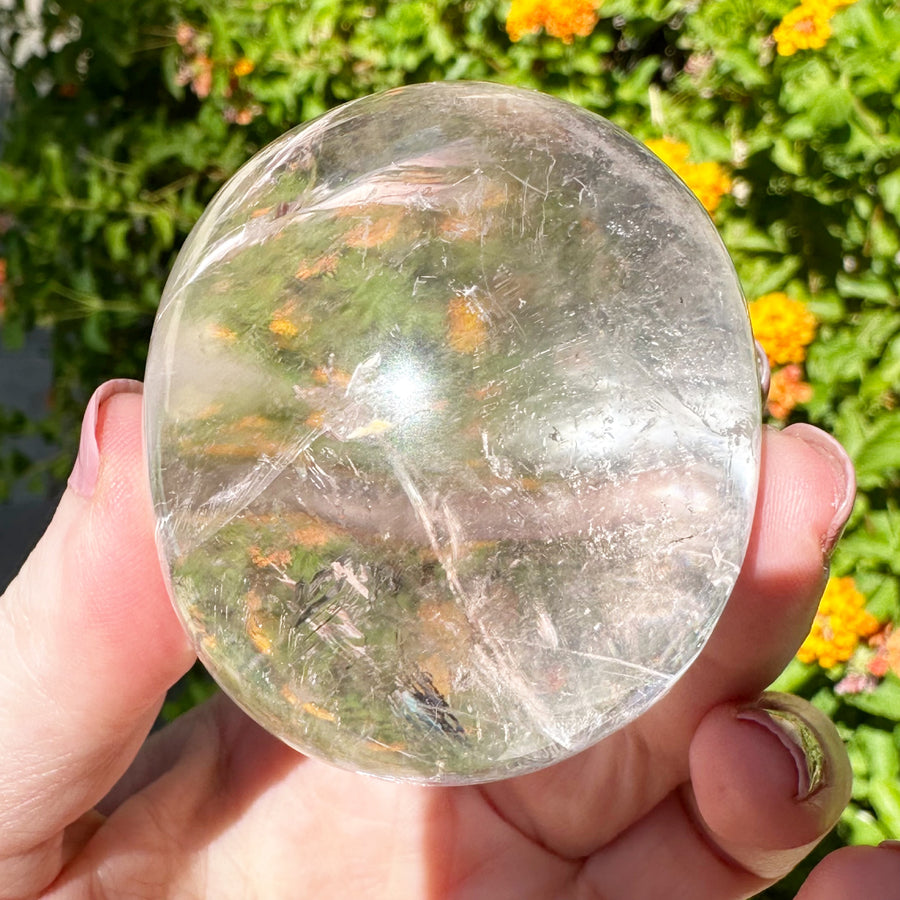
{"x":783,"y":117}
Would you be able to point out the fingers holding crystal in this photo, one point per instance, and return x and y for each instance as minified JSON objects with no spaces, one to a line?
{"x":768,"y":781}
{"x":805,"y":493}
{"x":88,"y":646}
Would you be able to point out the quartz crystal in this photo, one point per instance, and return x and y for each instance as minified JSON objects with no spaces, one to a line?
{"x":452,"y":416}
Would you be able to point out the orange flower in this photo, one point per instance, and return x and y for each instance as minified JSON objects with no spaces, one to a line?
{"x":223,"y":333}
{"x":466,"y":326}
{"x":243,"y":67}
{"x":315,"y":534}
{"x":840,"y":622}
{"x":786,"y":390}
{"x":259,"y":634}
{"x":329,"y":375}
{"x":887,"y":652}
{"x":708,"y":180}
{"x":563,"y":19}
{"x":201,"y":75}
{"x":373,"y":234}
{"x":283,"y":328}
{"x":324,"y":265}
{"x":280,"y":558}
{"x":783,"y":326}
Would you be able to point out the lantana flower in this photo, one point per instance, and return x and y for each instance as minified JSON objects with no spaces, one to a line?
{"x":784,"y":327}
{"x":807,"y":26}
{"x":840,"y":623}
{"x":786,"y":389}
{"x":563,"y":19}
{"x":708,"y":180}
{"x":887,"y":652}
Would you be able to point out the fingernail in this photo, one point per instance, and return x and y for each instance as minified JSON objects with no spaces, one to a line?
{"x":774,"y":713}
{"x":890,"y":845}
{"x":844,"y":477}
{"x":83,"y":479}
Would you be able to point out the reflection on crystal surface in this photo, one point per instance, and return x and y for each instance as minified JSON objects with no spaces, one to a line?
{"x":453,"y":422}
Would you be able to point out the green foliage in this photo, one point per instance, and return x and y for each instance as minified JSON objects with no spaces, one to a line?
{"x":120,"y":135}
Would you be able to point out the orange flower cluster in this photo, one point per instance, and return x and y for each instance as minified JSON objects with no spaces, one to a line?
{"x":195,"y":69}
{"x":708,"y":180}
{"x":563,"y":19}
{"x":466,"y":326}
{"x":807,"y":26}
{"x":887,"y":652}
{"x":786,"y":389}
{"x":261,"y":560}
{"x":283,"y":327}
{"x":840,"y":622}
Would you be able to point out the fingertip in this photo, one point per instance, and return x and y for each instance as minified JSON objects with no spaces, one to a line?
{"x":855,"y":873}
{"x":806,"y":491}
{"x":770,"y":779}
{"x":843,"y":477}
{"x":116,"y":567}
{"x":86,"y":470}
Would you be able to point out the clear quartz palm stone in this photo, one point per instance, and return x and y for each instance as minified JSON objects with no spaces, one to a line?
{"x":453,"y":419}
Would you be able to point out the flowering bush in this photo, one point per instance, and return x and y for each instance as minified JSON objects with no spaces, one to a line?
{"x":781,"y":117}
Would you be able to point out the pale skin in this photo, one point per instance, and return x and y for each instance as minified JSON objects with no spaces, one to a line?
{"x":700,"y":798}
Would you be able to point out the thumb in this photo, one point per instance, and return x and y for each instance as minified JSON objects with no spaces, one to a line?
{"x":89,"y":644}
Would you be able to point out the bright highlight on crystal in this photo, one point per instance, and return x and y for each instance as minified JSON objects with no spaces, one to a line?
{"x":452,"y":416}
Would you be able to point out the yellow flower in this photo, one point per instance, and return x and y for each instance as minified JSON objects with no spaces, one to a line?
{"x":283,"y":328}
{"x":839,"y":624}
{"x":563,"y":19}
{"x":807,"y":26}
{"x":783,"y":326}
{"x":673,"y":153}
{"x":243,"y":67}
{"x":708,"y":180}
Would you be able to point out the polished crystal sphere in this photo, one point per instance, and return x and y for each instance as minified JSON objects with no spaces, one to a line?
{"x":452,"y":416}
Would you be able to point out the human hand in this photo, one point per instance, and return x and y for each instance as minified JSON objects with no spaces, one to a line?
{"x":705,"y":796}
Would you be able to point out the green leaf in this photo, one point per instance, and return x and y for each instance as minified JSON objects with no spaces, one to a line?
{"x":163,"y":225}
{"x":889,"y":190}
{"x":866,"y":286}
{"x":884,"y":797}
{"x":795,"y":677}
{"x":115,"y":234}
{"x":859,"y":827}
{"x":884,"y":701}
{"x":880,"y":751}
{"x":879,"y":453}
{"x":94,"y":336}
